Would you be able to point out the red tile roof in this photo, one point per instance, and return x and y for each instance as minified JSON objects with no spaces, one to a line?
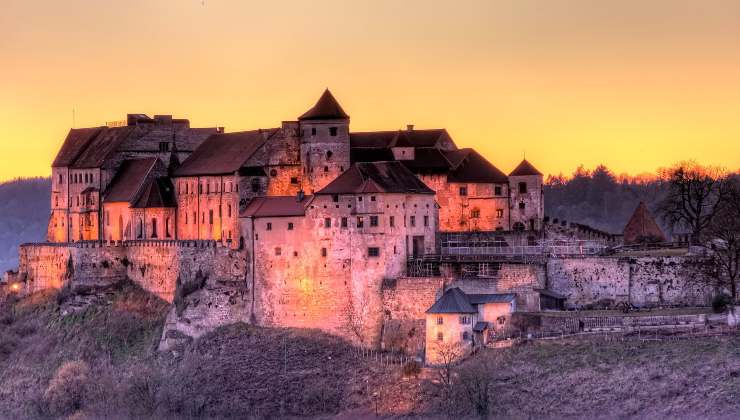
{"x":376,"y":177}
{"x":327,"y":108}
{"x":642,"y":227}
{"x":525,"y":168}
{"x":224,"y":153}
{"x":273,"y":206}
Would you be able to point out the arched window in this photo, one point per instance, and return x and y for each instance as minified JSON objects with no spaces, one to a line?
{"x":154,"y":228}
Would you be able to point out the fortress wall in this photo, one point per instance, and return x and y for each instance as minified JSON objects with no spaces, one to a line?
{"x":42,"y":266}
{"x":410,"y":297}
{"x":643,"y":281}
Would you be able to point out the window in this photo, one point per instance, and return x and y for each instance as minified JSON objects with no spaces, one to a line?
{"x":323,"y":252}
{"x":186,"y":218}
{"x":164,"y":146}
{"x":107,"y":218}
{"x":154,"y":228}
{"x":372,"y":198}
{"x":278,"y":251}
{"x":465,"y":319}
{"x":210,"y":217}
{"x":440,"y":336}
{"x":273,"y":173}
{"x":522,"y":188}
{"x":327,"y":222}
{"x":475,"y":213}
{"x":167,"y":227}
{"x":426,"y":220}
{"x":344,"y":222}
{"x":326,"y":169}
{"x":465,"y":336}
{"x":228,"y":210}
{"x":329,"y":153}
{"x":313,"y":131}
{"x":60,"y":178}
{"x":255,"y":185}
{"x":522,"y":206}
{"x":359,"y":198}
{"x":332,"y":131}
{"x":373,"y":221}
{"x":392,"y":221}
{"x":290,"y":225}
{"x":208,"y":188}
{"x":499,"y":213}
{"x":269,"y":226}
{"x":294,"y":180}
{"x":373,"y":251}
{"x":497,"y":190}
{"x":412,"y":220}
{"x":360,"y":222}
{"x":440,"y":320}
{"x":463,"y":191}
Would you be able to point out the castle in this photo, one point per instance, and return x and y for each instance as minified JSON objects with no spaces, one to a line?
{"x":361,"y":234}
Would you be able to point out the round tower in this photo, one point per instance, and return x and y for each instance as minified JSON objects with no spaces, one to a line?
{"x":325,"y":149}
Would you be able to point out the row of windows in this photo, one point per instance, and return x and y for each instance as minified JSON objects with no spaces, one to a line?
{"x":497,"y":190}
{"x":374,"y":222}
{"x":372,"y":251}
{"x":79,"y":178}
{"x":475,"y":213}
{"x":465,"y":335}
{"x":189,"y":188}
{"x":464,"y":320}
{"x":333,"y":131}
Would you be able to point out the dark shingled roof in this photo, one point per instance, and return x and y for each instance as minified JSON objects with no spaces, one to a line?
{"x":102,"y":146}
{"x":376,"y":139}
{"x":453,"y":301}
{"x":129,"y":179}
{"x":370,"y":154}
{"x":276,"y":206}
{"x":427,"y":159}
{"x":327,"y":108}
{"x":480,"y":326}
{"x":158,"y":192}
{"x":642,"y":227}
{"x":525,"y":168}
{"x":74,"y":144}
{"x":421,"y":138}
{"x":376,"y":177}
{"x":472,"y":167}
{"x":223,"y":153}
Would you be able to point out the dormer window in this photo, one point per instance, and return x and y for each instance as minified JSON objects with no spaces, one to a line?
{"x":333,"y":131}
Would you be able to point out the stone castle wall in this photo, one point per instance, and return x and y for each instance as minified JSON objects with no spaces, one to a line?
{"x":644,"y":281}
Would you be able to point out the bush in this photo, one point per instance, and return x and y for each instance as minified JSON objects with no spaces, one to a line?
{"x":66,"y":391}
{"x":721,"y":302}
{"x":412,"y":368}
{"x":8,"y":344}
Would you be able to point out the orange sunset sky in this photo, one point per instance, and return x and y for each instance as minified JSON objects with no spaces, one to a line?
{"x":635,"y":85}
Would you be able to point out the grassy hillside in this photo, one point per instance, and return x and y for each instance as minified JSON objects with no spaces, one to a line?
{"x":24,"y":213}
{"x":101,"y":362}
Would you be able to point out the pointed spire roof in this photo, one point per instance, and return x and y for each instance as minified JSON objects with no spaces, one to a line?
{"x":327,"y":108}
{"x":642,"y":227}
{"x":525,"y":168}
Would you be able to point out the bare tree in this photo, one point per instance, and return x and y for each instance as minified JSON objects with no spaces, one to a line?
{"x":476,"y":381}
{"x":723,"y":241}
{"x":694,"y":195}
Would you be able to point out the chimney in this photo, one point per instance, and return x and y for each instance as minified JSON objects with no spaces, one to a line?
{"x":300,"y":196}
{"x":409,"y":127}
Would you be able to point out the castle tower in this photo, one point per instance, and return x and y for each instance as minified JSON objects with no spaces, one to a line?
{"x":527,"y":203}
{"x":324,"y":131}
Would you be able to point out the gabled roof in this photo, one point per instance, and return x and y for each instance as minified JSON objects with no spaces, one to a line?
{"x":421,"y":138}
{"x":129,"y":179}
{"x":281,"y":206}
{"x":223,"y":153}
{"x":428,"y":159}
{"x":375,"y":139}
{"x":104,"y":144}
{"x":376,"y":177}
{"x":453,"y":301}
{"x":642,"y":227}
{"x":327,"y":108}
{"x":74,"y":144}
{"x":370,"y":154}
{"x":158,"y":192}
{"x":525,"y":168}
{"x":470,"y":166}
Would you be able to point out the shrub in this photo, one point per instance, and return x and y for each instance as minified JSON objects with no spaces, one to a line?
{"x":720,"y":302}
{"x":411,"y":368}
{"x":66,"y":391}
{"x":8,"y":344}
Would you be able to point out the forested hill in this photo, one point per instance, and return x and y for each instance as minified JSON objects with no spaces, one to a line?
{"x":24,"y":213}
{"x":599,"y":199}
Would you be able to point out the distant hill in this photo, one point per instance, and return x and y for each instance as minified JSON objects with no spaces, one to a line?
{"x":24,"y":213}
